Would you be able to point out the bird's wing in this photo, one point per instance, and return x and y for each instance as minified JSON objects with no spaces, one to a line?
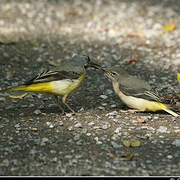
{"x":133,"y":86}
{"x":49,"y":75}
{"x":140,"y":93}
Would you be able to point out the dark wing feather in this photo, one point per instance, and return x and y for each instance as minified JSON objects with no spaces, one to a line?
{"x":141,"y":93}
{"x":48,"y":75}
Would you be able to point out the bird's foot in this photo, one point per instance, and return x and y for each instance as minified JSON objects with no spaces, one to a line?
{"x":132,"y":111}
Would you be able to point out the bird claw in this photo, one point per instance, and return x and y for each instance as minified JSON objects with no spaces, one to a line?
{"x":132,"y":111}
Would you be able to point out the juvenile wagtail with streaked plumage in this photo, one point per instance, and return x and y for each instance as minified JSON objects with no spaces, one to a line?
{"x":135,"y":93}
{"x":58,"y":81}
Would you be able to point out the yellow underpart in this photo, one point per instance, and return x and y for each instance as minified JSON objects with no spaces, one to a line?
{"x":18,"y":96}
{"x":155,"y":106}
{"x":65,"y":87}
{"x":61,"y":87}
{"x":38,"y":87}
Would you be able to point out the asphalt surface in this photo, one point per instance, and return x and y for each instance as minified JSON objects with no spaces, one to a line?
{"x":100,"y":140}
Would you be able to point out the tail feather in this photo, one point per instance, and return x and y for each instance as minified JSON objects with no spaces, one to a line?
{"x":14,"y":92}
{"x":171,"y":112}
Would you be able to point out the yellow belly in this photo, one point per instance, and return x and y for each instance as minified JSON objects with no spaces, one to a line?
{"x":59,"y":88}
{"x":142,"y":104}
{"x":38,"y":87}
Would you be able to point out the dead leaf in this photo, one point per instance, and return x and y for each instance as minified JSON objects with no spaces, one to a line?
{"x":8,"y":41}
{"x":178,"y":77}
{"x":127,"y":156}
{"x":169,"y":28}
{"x":127,"y":143}
{"x":141,"y":120}
{"x":136,"y":34}
{"x":131,"y":143}
{"x":135,"y":143}
{"x":131,"y":60}
{"x":72,"y":11}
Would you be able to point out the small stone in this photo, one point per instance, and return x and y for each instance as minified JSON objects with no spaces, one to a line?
{"x":76,"y":137}
{"x":104,"y":104}
{"x":115,"y":145}
{"x":70,"y":128}
{"x":91,"y":123}
{"x":2,"y":99}
{"x":176,"y":142}
{"x":103,"y":96}
{"x":68,"y":115}
{"x":97,"y":140}
{"x":113,"y":105}
{"x":106,"y":126}
{"x":108,"y":91}
{"x":78,"y":125}
{"x":118,"y":130}
{"x":61,"y":123}
{"x":50,"y":124}
{"x":101,"y":107}
{"x":54,"y":159}
{"x":155,"y":117}
{"x":88,"y":134}
{"x":169,"y":156}
{"x":162,"y":129}
{"x":44,"y":141}
{"x":113,"y":113}
{"x":37,"y":112}
{"x":5,"y":162}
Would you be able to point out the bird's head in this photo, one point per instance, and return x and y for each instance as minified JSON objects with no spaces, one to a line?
{"x":114,"y":73}
{"x":85,"y":61}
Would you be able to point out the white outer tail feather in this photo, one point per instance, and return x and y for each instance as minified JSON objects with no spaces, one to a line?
{"x":171,"y":112}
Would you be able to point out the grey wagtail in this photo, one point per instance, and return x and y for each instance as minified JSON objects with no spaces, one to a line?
{"x":58,"y":81}
{"x":135,"y":93}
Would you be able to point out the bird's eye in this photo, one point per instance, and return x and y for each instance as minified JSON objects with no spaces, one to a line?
{"x":113,"y":73}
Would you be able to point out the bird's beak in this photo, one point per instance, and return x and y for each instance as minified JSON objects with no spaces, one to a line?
{"x":94,"y":65}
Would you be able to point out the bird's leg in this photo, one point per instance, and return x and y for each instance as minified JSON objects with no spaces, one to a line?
{"x":56,"y":101}
{"x":64,"y":101}
{"x":132,"y":111}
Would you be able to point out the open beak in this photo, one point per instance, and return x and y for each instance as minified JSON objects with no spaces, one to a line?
{"x":94,"y":65}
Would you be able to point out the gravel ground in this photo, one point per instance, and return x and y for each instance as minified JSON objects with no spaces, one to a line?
{"x":141,"y":36}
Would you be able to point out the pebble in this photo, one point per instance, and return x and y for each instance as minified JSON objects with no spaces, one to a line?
{"x":113,"y":105}
{"x":176,"y":142}
{"x":88,"y":134}
{"x":155,"y":117}
{"x":44,"y":141}
{"x":2,"y":99}
{"x":118,"y":130}
{"x":115,"y":145}
{"x":145,"y":117}
{"x":91,"y":123}
{"x":76,"y":137}
{"x":162,"y":129}
{"x":68,"y":115}
{"x":108,"y":91}
{"x":103,"y":96}
{"x":169,"y":156}
{"x":97,"y":140}
{"x":49,"y":124}
{"x":104,"y":104}
{"x":78,"y":125}
{"x":106,"y":126}
{"x":61,"y":123}
{"x":37,"y":112}
{"x":101,"y":108}
{"x":5,"y":162}
{"x":113,"y":113}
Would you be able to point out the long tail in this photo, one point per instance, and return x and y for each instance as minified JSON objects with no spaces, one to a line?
{"x":171,"y":112}
{"x":16,"y":92}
